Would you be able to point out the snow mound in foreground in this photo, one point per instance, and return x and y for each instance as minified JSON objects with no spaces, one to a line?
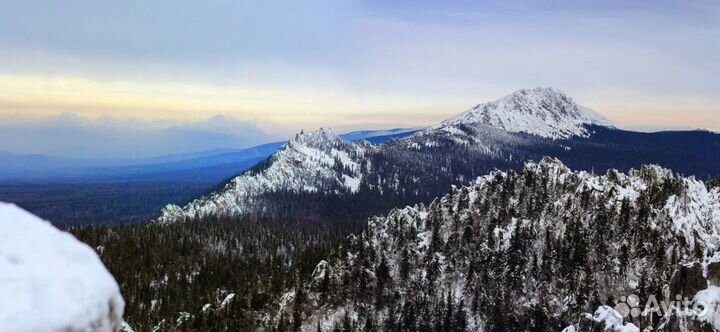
{"x":49,"y":281}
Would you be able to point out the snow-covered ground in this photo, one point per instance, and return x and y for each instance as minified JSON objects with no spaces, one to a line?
{"x":49,"y":281}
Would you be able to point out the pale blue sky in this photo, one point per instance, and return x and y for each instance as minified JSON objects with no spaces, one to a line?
{"x":279,"y":66}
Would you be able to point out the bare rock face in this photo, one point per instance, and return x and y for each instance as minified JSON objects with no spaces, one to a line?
{"x":51,"y":282}
{"x":687,"y":280}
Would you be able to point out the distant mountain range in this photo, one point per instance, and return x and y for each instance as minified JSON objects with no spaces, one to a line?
{"x":525,"y":125}
{"x":206,"y":166}
{"x":77,"y":192}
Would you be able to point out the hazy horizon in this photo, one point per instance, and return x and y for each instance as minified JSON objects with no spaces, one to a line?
{"x":167,"y":71}
{"x":74,"y":136}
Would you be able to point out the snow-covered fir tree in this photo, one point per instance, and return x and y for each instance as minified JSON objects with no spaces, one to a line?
{"x":525,"y":251}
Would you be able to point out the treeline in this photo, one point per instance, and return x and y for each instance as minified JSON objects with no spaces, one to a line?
{"x":99,"y":203}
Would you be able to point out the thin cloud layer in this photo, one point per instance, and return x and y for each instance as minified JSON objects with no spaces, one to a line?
{"x":69,"y":135}
{"x":350,"y":64}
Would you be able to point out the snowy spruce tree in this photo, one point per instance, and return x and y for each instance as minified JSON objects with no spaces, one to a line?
{"x":536,"y":250}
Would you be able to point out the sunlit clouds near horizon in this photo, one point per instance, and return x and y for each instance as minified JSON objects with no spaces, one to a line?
{"x":272,"y":68}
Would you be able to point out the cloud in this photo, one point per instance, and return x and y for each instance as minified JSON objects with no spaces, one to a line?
{"x":70,"y":135}
{"x":175,"y":31}
{"x":350,"y":63}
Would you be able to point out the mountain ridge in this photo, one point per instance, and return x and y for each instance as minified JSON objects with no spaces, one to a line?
{"x":309,"y":162}
{"x":420,"y":166}
{"x":534,"y":249}
{"x":211,"y":165}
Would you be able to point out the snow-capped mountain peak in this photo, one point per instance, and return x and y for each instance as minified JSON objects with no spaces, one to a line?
{"x":545,"y":112}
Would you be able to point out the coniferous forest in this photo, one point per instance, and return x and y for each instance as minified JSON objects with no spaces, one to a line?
{"x":209,"y":275}
{"x":450,"y":229}
{"x":462,"y":263}
{"x":360,"y":166}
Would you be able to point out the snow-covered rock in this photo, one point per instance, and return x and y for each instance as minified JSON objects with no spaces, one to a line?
{"x":610,"y":320}
{"x":545,"y":112}
{"x":49,"y":281}
{"x":570,"y":328}
{"x":710,"y":299}
{"x":310,"y":162}
{"x":538,"y":239}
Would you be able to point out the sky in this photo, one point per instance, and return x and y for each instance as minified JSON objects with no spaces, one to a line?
{"x":78,"y":76}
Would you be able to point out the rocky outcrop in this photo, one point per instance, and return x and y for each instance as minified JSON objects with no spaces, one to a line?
{"x":530,"y":249}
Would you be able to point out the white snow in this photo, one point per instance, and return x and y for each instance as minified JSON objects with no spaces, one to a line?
{"x":594,"y":117}
{"x":612,"y":320}
{"x":159,"y":326}
{"x":182,"y":318}
{"x":320,"y":271}
{"x":307,"y":163}
{"x":545,"y":112}
{"x":322,"y":161}
{"x":125,"y":327}
{"x":227,"y":300}
{"x":50,"y":281}
{"x":352,"y":183}
{"x":710,"y":298}
{"x":570,"y":328}
{"x":692,"y":215}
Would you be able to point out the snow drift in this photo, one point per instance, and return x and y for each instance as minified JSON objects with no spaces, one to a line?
{"x":49,"y":281}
